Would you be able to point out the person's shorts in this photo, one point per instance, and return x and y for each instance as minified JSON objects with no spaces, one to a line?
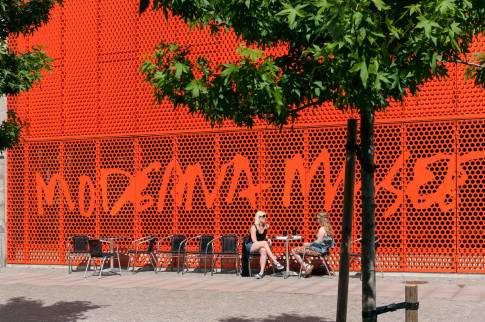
{"x":248,"y":245}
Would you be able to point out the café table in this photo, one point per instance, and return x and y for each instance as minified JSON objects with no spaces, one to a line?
{"x":287,"y":240}
{"x":111,"y":240}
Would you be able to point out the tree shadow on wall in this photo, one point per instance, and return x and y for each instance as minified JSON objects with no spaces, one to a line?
{"x":283,"y":317}
{"x":22,"y":309}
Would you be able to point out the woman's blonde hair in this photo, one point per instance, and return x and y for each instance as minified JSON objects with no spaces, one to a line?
{"x":322,"y":219}
{"x":256,"y":219}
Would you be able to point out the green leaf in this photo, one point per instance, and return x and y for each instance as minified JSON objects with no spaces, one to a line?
{"x":179,"y":69}
{"x":427,"y":30}
{"x":434,"y":59}
{"x":277,"y":96}
{"x":364,"y":75}
{"x":356,"y":68}
{"x":445,"y":5}
{"x":468,"y":74}
{"x":381,"y":5}
{"x":159,"y":75}
{"x":422,"y":23}
{"x":292,"y":12}
{"x":196,"y":87}
{"x":230,"y":68}
{"x":455,"y":27}
{"x":414,"y":8}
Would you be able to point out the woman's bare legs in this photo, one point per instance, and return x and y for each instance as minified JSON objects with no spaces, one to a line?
{"x":262,"y":259}
{"x":298,"y":258}
{"x":259,"y":245}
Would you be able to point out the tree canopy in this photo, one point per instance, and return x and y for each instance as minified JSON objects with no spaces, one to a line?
{"x":20,"y":70}
{"x":358,"y":54}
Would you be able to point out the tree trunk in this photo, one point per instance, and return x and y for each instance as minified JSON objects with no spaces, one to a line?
{"x":368,"y":214}
{"x":348,"y":211}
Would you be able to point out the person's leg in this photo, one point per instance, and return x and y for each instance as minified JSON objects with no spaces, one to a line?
{"x":270,"y":253}
{"x":264,"y":244}
{"x":256,"y":247}
{"x":262,"y":259}
{"x":296,"y":254}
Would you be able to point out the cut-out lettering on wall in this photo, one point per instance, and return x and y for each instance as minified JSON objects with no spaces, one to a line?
{"x":186,"y":181}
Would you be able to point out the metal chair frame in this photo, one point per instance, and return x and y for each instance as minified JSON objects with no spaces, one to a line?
{"x":203,"y":249}
{"x":223,"y":254}
{"x":81,"y":249}
{"x":172,"y":250}
{"x":149,"y":252}
{"x":96,"y":253}
{"x":325,"y":260}
{"x":358,"y":257}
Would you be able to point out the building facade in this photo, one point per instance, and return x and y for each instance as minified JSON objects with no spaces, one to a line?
{"x":101,"y":159}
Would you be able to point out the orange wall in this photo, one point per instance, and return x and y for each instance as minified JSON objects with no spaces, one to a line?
{"x":101,"y":159}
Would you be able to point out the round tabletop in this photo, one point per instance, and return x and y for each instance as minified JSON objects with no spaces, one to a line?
{"x":288,"y":237}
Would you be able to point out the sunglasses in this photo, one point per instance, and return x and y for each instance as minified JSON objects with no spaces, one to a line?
{"x":263,"y":216}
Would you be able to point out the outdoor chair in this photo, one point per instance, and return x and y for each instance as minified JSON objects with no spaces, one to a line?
{"x":229,"y":249}
{"x":96,"y":253}
{"x":204,"y":248}
{"x":324,"y":256}
{"x":177,"y":246}
{"x":144,"y":246}
{"x":358,"y":256}
{"x":248,"y":256}
{"x":79,"y":248}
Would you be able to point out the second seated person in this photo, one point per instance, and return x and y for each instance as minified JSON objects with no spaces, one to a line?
{"x":258,"y":243}
{"x":324,"y":240}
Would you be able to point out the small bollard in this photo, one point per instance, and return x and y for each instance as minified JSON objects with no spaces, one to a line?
{"x":411,"y":297}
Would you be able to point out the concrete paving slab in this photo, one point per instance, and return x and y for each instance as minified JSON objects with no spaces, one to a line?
{"x":469,"y":297}
{"x":21,"y":279}
{"x":355,"y":289}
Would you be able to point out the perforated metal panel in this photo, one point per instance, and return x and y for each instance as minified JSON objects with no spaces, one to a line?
{"x":389,"y":181}
{"x":430,"y":180}
{"x":470,"y":227}
{"x":101,"y":159}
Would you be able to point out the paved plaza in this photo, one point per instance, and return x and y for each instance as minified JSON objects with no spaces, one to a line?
{"x":33,"y":293}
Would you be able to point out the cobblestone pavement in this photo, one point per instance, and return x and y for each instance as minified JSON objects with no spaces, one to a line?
{"x":50,"y":294}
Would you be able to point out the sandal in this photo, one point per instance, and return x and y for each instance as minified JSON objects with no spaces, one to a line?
{"x":308,"y":270}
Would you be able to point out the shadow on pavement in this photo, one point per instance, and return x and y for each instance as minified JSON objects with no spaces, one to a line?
{"x":22,"y":309}
{"x":283,"y":317}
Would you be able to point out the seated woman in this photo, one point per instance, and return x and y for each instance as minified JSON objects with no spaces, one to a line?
{"x":324,"y":234}
{"x":258,"y":243}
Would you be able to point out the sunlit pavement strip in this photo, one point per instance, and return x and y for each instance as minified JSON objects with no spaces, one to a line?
{"x":23,"y":279}
{"x":173,"y":281}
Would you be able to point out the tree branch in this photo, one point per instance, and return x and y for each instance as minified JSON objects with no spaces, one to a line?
{"x":304,"y":107}
{"x":467,"y":63}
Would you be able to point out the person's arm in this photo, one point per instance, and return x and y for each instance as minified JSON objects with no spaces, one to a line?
{"x":321,"y":233}
{"x":252,"y":231}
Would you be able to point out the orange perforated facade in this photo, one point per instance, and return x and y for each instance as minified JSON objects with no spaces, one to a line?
{"x":100,"y":159}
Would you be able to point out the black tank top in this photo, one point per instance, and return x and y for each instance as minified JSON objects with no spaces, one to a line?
{"x":260,"y":237}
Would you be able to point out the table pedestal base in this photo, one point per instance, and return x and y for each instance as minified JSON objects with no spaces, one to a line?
{"x":285,"y":274}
